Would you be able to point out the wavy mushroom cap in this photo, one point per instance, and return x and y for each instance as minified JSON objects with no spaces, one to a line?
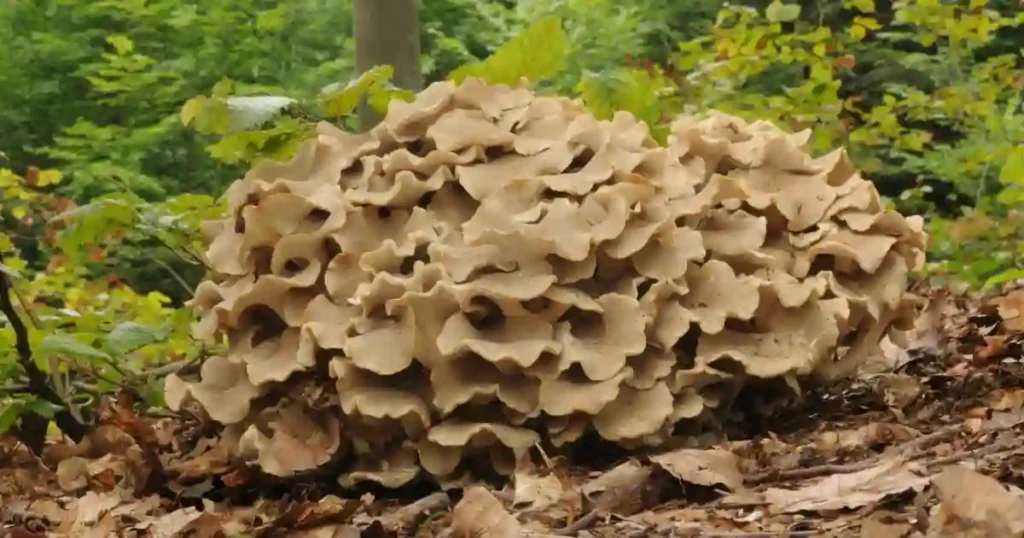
{"x":488,"y":269}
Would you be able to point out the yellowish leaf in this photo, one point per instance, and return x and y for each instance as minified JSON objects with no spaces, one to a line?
{"x":49,"y":177}
{"x":869,"y":23}
{"x":864,"y":6}
{"x":192,"y":108}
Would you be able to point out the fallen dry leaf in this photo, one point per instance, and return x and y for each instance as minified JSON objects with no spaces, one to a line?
{"x":305,"y":515}
{"x":72,"y":474}
{"x":850,"y":490}
{"x":171,"y":524}
{"x":480,"y":515}
{"x":898,"y":390}
{"x":1006,"y":399}
{"x":702,"y":467}
{"x":535,"y":492}
{"x":1011,"y":309}
{"x":330,"y":531}
{"x":871,"y":435}
{"x":624,"y":490}
{"x":92,"y":506}
{"x":970,"y":501}
{"x":995,"y":348}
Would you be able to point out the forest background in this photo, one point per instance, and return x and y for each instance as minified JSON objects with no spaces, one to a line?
{"x":122,"y":122}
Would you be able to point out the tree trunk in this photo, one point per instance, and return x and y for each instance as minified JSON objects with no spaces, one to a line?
{"x":387,"y":32}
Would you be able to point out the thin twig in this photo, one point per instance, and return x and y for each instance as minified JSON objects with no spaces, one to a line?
{"x":915,"y":444}
{"x":167,"y":369}
{"x":989,"y":450}
{"x":174,"y":274}
{"x":583,"y":523}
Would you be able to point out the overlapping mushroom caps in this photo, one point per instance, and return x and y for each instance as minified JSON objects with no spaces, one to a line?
{"x":488,"y":269}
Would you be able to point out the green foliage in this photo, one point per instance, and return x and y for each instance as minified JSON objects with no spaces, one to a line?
{"x":341,"y":100}
{"x":536,"y":54}
{"x":248,"y":127}
{"x":89,"y":335}
{"x":647,"y":94}
{"x":94,"y":87}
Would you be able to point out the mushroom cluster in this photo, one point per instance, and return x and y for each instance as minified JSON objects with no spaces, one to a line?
{"x":488,"y":269}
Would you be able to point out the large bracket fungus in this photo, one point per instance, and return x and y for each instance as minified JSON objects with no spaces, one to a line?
{"x":488,"y":269}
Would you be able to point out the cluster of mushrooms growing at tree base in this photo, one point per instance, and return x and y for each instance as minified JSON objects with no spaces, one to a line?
{"x":489,"y":269}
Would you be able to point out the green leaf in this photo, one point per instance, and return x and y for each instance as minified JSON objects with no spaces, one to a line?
{"x":130,"y":335}
{"x":66,"y":344}
{"x":779,"y":12}
{"x":8,"y":271}
{"x":9,"y":414}
{"x":538,"y":53}
{"x":206,"y":115}
{"x":43,"y":408}
{"x":1005,"y":276}
{"x":191,"y":109}
{"x":246,"y":113}
{"x":121,"y":43}
{"x":1013,"y":170}
{"x":341,"y":100}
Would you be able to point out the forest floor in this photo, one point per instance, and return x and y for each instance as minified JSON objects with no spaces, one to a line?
{"x":929,"y":445}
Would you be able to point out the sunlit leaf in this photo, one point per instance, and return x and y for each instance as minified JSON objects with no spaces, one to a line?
{"x":1013,"y":169}
{"x":130,"y":335}
{"x":66,"y":344}
{"x":779,"y":12}
{"x":10,"y":412}
{"x":536,"y":54}
{"x":121,"y":43}
{"x":342,"y":99}
{"x":7,"y":270}
{"x":49,"y":177}
{"x":1005,"y":276}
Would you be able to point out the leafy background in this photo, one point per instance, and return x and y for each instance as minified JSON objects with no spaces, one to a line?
{"x":123,"y":120}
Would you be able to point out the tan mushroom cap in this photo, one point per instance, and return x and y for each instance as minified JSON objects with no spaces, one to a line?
{"x":488,"y":269}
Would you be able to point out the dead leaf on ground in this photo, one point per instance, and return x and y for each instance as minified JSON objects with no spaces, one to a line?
{"x":479,"y":514}
{"x":898,"y":390}
{"x":534,"y":492}
{"x":331,"y":531}
{"x":702,"y":467}
{"x":1011,"y":310}
{"x":995,"y":347}
{"x":73,"y":474}
{"x":1006,"y":399}
{"x":970,"y":501}
{"x":170,"y":524}
{"x":92,"y":506}
{"x":330,"y":509}
{"x":624,"y":490}
{"x":851,"y":490}
{"x":871,"y":435}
